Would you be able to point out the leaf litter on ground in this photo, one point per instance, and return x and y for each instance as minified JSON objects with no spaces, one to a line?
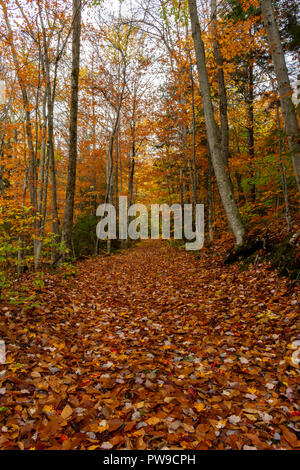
{"x":153,"y":348}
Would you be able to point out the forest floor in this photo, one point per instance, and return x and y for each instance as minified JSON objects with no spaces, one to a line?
{"x":152,"y":348}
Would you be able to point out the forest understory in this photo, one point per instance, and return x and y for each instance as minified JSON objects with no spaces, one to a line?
{"x":152,"y":348}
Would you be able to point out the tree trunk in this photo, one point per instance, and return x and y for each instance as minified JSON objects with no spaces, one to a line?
{"x":195,"y":172}
{"x":283,"y":173}
{"x":250,"y":126}
{"x":131,"y":180}
{"x":222,"y":177}
{"x":32,"y":178}
{"x":131,"y":175}
{"x":284,"y":86}
{"x":210,"y":200}
{"x":71,"y":183}
{"x":222,"y":89}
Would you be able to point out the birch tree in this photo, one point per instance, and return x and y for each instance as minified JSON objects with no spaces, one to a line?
{"x":284,"y":86}
{"x":222,"y":177}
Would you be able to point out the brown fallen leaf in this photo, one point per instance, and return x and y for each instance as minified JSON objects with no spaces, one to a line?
{"x":290,"y":437}
{"x":258,"y":443}
{"x":67,"y":412}
{"x":140,"y":444}
{"x":115,"y":424}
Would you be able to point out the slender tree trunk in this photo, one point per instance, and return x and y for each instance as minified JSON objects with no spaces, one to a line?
{"x":241,"y":196}
{"x":50,"y":152}
{"x":185,"y":188}
{"x":71,"y":183}
{"x":222,"y":177}
{"x":284,"y":86}
{"x":50,"y":99}
{"x":32,"y":177}
{"x":191,"y":167}
{"x":250,"y":127}
{"x":131,"y":175}
{"x":222,"y":88}
{"x":181,"y":187}
{"x":283,"y":174}
{"x":195,"y":173}
{"x":195,"y":176}
{"x":32,"y":174}
{"x":121,"y":171}
{"x":131,"y":179}
{"x":116,"y":196}
{"x":210,"y":200}
{"x":237,"y":174}
{"x":109,"y":182}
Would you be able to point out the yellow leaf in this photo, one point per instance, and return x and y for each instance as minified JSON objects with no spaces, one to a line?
{"x":199,"y":407}
{"x":153,"y":421}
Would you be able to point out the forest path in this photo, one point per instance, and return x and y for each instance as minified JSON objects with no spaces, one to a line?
{"x":152,"y":348}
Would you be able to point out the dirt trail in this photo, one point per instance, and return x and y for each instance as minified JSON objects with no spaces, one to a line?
{"x":152,"y":348}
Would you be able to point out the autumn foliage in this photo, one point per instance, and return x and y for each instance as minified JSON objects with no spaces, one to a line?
{"x":150,"y":347}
